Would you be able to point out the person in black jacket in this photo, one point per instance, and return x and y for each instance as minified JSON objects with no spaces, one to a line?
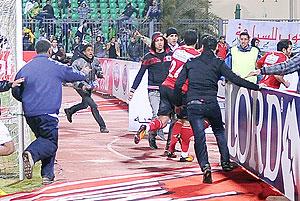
{"x":157,"y":62}
{"x":203,"y":73}
{"x":6,"y":143}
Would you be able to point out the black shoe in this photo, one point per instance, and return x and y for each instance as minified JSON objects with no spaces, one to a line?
{"x":207,"y":174}
{"x":69,"y":115}
{"x":104,"y":130}
{"x":152,"y":141}
{"x":171,"y":155}
{"x":140,"y":134}
{"x":190,"y":158}
{"x":227,"y":166}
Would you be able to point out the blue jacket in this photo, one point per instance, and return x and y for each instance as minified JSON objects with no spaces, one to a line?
{"x":41,"y":92}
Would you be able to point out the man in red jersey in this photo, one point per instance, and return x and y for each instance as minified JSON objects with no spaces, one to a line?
{"x":166,"y":107}
{"x":222,"y":48}
{"x":284,"y":48}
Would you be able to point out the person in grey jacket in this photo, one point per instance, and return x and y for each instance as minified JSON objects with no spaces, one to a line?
{"x":287,"y":67}
{"x":85,"y":88}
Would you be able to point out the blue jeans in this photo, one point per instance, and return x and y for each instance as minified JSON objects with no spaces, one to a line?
{"x":44,"y":147}
{"x":207,"y":109}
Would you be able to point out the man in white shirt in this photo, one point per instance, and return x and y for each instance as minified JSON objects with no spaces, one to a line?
{"x":6,"y":143}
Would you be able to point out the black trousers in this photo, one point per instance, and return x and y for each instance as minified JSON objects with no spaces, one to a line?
{"x":88,"y":101}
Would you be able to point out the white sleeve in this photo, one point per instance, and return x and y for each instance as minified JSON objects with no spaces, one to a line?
{"x":4,"y":134}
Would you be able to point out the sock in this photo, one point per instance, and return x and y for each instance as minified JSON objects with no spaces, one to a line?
{"x":175,"y":130}
{"x":155,"y":125}
{"x":184,"y":154}
{"x":206,"y":123}
{"x":186,"y":134}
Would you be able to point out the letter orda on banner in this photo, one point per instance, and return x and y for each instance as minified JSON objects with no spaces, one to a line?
{"x":269,"y":33}
{"x":263,"y":135}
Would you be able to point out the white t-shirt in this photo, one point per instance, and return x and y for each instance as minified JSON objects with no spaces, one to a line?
{"x":4,"y":134}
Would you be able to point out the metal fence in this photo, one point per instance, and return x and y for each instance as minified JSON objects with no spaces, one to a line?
{"x":65,"y":30}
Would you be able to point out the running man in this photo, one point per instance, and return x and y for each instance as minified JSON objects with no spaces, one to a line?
{"x":157,"y":62}
{"x":41,"y":96}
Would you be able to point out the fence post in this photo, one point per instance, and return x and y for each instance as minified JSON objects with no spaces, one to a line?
{"x":151,"y":28}
{"x":220,"y":27}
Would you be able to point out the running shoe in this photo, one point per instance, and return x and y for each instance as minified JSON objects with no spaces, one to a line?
{"x":190,"y":158}
{"x":28,"y":164}
{"x":140,"y":134}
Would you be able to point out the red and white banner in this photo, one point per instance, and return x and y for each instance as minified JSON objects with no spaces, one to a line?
{"x":7,"y":67}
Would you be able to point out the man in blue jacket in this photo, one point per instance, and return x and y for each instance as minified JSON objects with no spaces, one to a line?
{"x":41,"y":96}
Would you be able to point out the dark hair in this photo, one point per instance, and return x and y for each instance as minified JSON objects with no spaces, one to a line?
{"x":42,"y":46}
{"x":190,"y":37}
{"x":284,"y":43}
{"x":84,"y":47}
{"x":244,"y":33}
{"x":209,"y":43}
{"x":253,"y":41}
{"x":171,"y":30}
{"x":221,"y":37}
{"x":154,"y":37}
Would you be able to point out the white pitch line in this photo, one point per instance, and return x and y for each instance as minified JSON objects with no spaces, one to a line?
{"x":109,"y":147}
{"x":105,"y":195}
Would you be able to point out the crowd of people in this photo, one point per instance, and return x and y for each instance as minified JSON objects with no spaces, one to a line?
{"x":67,"y":31}
{"x":182,"y":89}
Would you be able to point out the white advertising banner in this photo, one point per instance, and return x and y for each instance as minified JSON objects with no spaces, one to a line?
{"x":269,"y":33}
{"x":139,"y":107}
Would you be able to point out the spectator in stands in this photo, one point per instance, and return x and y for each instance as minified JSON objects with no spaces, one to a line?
{"x":242,"y":57}
{"x":76,"y":43}
{"x":113,"y":48}
{"x":46,"y":13}
{"x":83,"y":11}
{"x":153,"y":12}
{"x":28,"y":6}
{"x":28,"y":40}
{"x":134,"y":50}
{"x":48,"y":10}
{"x":127,"y":13}
{"x":6,"y":143}
{"x":82,"y":30}
{"x":99,"y":47}
{"x":284,"y":49}
{"x":58,"y":52}
{"x":33,"y":10}
{"x":222,"y":48}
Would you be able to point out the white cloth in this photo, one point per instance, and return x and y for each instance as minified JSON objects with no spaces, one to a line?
{"x":4,"y":134}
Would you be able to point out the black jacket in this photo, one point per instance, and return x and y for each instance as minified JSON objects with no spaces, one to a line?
{"x":5,"y":85}
{"x":158,"y":69}
{"x":204,"y":73}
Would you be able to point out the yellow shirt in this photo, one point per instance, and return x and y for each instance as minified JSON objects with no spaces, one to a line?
{"x":244,"y":62}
